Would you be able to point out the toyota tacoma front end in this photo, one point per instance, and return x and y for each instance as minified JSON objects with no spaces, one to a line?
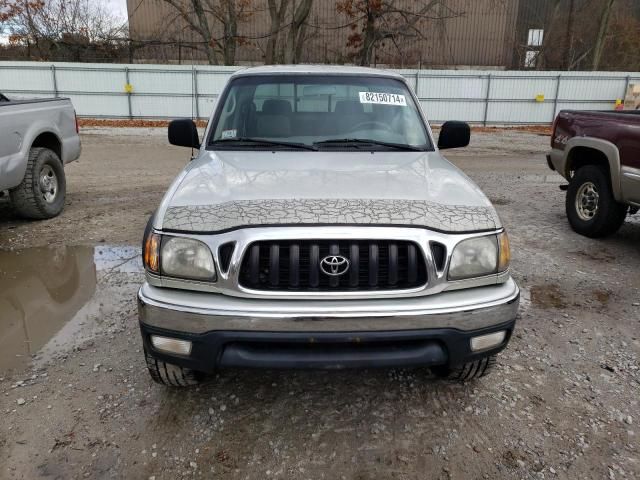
{"x":319,"y":227}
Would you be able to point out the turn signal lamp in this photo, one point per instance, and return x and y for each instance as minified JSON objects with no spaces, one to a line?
{"x":505,"y":252}
{"x":151,"y":254}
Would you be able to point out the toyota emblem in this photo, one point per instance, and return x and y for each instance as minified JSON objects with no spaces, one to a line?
{"x":334,"y":265}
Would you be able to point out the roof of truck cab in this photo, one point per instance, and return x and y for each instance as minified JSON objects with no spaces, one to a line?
{"x":315,"y":70}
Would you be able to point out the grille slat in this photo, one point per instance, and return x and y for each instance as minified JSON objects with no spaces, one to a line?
{"x":254,"y":265}
{"x":274,"y":264}
{"x":373,"y":264}
{"x":393,"y":264}
{"x":412,"y":272}
{"x":354,"y":270}
{"x":290,"y":265}
{"x":294,"y":265}
{"x":314,"y":266}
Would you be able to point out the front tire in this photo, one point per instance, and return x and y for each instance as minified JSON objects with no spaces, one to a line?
{"x":467,"y":371}
{"x":42,"y":191}
{"x":172,"y":375}
{"x":591,"y":208}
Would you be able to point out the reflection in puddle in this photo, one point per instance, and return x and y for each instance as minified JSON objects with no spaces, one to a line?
{"x":118,"y":259}
{"x":42,"y":289}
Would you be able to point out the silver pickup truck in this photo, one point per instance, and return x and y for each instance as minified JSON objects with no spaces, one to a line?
{"x":37,"y":138}
{"x":319,"y":226}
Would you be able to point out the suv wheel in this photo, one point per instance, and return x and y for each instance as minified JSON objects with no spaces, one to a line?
{"x":467,"y":371}
{"x":591,"y":209}
{"x":171,"y":375}
{"x":42,"y":191}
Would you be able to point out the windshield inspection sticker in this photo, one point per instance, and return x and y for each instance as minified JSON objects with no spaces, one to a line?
{"x":229,"y":133}
{"x":383,"y":98}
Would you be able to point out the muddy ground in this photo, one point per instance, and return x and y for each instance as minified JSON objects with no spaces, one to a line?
{"x":76,"y":400}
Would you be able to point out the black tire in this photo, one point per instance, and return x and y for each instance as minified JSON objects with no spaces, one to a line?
{"x":28,"y":199}
{"x":467,"y":371}
{"x":172,"y":375}
{"x":607,"y":216}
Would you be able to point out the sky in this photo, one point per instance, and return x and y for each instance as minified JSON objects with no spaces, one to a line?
{"x":118,"y":7}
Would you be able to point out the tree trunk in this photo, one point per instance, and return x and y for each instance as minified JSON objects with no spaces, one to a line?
{"x":369,"y":39}
{"x":277,"y":16}
{"x":230,"y":33}
{"x":300,"y":43}
{"x":602,"y":33}
{"x":568,"y":39}
{"x":296,"y":31}
{"x":204,"y":31}
{"x":547,"y":29}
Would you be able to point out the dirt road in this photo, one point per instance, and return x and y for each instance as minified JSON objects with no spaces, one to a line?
{"x":77,"y":401}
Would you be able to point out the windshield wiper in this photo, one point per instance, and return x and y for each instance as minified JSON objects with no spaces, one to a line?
{"x":263,"y":141}
{"x":364,"y":141}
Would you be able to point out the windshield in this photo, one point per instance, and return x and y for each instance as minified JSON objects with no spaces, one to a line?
{"x":302,"y":111}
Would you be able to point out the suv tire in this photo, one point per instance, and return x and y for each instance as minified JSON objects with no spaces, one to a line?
{"x":467,"y":371}
{"x":591,"y":208}
{"x":171,"y":375}
{"x":42,"y":191}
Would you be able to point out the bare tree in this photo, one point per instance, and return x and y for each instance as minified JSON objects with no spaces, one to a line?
{"x":12,"y":10}
{"x":9,"y":9}
{"x":55,"y":19}
{"x":622,"y":46}
{"x":277,"y":13}
{"x":568,"y":39}
{"x":289,"y":51}
{"x":64,"y":28}
{"x":380,"y":20}
{"x":206,"y":17}
{"x":295,"y":39}
{"x":602,"y":32}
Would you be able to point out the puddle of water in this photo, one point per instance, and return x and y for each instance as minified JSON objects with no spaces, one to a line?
{"x":43,"y":289}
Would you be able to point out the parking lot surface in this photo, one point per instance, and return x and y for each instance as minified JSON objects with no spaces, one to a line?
{"x":77,"y":402}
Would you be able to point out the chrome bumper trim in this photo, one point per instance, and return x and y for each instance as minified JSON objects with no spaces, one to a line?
{"x":198,"y":312}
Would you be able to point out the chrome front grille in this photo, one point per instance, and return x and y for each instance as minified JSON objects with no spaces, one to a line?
{"x":295,"y":265}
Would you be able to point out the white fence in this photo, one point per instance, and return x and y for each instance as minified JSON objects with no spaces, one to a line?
{"x":170,"y":91}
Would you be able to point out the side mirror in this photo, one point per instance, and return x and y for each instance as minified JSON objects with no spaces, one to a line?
{"x":183,"y":133}
{"x":454,"y":135}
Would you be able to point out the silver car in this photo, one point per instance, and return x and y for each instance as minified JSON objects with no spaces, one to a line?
{"x":319,"y":226}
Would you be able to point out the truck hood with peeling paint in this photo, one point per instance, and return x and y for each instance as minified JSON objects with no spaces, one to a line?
{"x":221,"y":190}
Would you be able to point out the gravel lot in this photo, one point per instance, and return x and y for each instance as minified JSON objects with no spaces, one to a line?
{"x":563,"y":402}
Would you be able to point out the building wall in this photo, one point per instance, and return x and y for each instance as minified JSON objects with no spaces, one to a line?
{"x":480,"y":33}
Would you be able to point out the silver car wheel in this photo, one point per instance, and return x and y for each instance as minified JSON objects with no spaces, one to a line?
{"x":48,"y":184}
{"x":587,"y":201}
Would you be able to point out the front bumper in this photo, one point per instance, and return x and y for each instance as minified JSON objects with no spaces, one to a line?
{"x":237,"y":332}
{"x":556,"y":161}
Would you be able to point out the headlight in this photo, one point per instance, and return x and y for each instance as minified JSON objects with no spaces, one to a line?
{"x":187,"y":258}
{"x":480,"y":256}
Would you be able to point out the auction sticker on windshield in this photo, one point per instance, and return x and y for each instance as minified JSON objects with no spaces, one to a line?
{"x":229,"y":133}
{"x":383,"y":98}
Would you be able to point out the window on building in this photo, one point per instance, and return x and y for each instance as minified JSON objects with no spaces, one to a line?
{"x":535,"y":37}
{"x":530,"y":59}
